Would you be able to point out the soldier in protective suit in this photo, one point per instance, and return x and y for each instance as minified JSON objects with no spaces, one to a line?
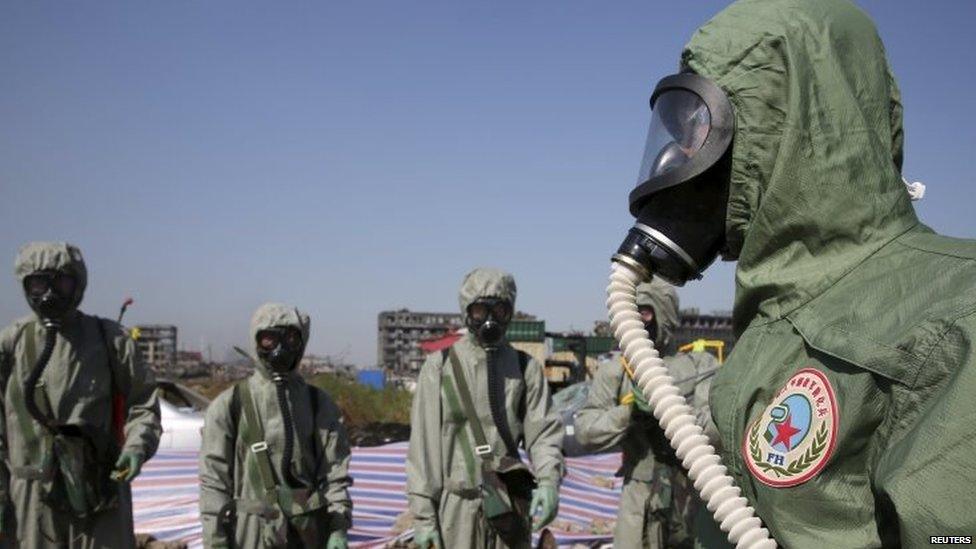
{"x":658,"y":506}
{"x":80,"y":413}
{"x":274,"y":464}
{"x":846,"y":410}
{"x":452,"y":497}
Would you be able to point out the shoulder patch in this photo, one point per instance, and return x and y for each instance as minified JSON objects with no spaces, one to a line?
{"x":794,"y":437}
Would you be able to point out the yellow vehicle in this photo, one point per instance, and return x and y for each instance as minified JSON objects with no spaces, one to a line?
{"x":700,"y":345}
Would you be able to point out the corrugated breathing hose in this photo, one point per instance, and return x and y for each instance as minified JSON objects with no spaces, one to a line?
{"x":496,"y":402}
{"x":30,"y":384}
{"x":281,"y":393}
{"x":717,"y":489}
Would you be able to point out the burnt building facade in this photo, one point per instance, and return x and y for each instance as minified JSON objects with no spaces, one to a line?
{"x":713,"y":326}
{"x":399,"y":334}
{"x":156,"y":344}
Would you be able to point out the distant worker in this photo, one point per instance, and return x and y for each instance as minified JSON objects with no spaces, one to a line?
{"x":274,"y":463}
{"x":658,"y":506}
{"x":80,"y":413}
{"x":474,"y":403}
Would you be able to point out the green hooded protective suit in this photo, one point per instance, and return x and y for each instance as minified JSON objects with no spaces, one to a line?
{"x":243,"y":470}
{"x":94,"y":363}
{"x":846,"y":411}
{"x":658,"y":505}
{"x":443,"y":472}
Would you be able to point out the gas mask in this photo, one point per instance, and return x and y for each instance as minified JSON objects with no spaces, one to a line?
{"x":50,"y":293}
{"x":649,"y":325}
{"x":487,"y":319}
{"x":682,"y":191}
{"x":280,"y":347}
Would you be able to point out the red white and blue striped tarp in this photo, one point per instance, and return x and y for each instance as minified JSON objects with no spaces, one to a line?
{"x":165,"y":497}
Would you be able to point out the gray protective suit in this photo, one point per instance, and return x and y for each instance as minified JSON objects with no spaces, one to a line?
{"x":230,"y":469}
{"x":90,"y":357}
{"x":658,"y":506}
{"x":443,"y":472}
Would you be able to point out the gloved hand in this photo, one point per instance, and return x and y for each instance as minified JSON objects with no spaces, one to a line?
{"x":127,"y":467}
{"x":337,"y":540}
{"x":545,"y":504}
{"x":427,"y":536}
{"x":639,"y":401}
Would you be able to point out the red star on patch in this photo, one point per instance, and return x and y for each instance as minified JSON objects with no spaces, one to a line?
{"x":784,"y":432}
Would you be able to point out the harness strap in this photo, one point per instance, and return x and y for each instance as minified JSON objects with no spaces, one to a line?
{"x":40,"y":393}
{"x":454,"y":408}
{"x":483,"y":449}
{"x":512,"y":444}
{"x":30,"y":356}
{"x":318,"y":454}
{"x":120,"y":400}
{"x":28,"y":426}
{"x":253,"y":436}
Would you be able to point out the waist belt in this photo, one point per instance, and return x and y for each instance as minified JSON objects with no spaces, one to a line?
{"x":290,"y":501}
{"x":32,"y":473}
{"x":462,"y":491}
{"x":255,"y":507}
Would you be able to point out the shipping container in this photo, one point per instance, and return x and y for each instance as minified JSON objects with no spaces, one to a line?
{"x":374,"y":378}
{"x":526,"y":330}
{"x":595,"y":345}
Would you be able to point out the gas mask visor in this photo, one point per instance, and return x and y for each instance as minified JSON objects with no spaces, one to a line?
{"x":488,"y":318}
{"x":50,"y":293}
{"x":682,"y":188}
{"x":280,"y":347}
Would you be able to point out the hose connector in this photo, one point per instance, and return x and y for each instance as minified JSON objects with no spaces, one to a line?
{"x":51,"y":323}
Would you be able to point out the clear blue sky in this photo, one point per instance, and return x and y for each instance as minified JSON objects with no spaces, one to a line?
{"x":351,"y":157}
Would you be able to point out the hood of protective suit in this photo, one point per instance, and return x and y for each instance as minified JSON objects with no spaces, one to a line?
{"x":53,"y":256}
{"x":271,"y":315}
{"x":663,"y":298}
{"x":816,"y":160}
{"x":486,"y":282}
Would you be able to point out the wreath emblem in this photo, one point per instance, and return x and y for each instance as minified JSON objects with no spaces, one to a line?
{"x":795,"y":435}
